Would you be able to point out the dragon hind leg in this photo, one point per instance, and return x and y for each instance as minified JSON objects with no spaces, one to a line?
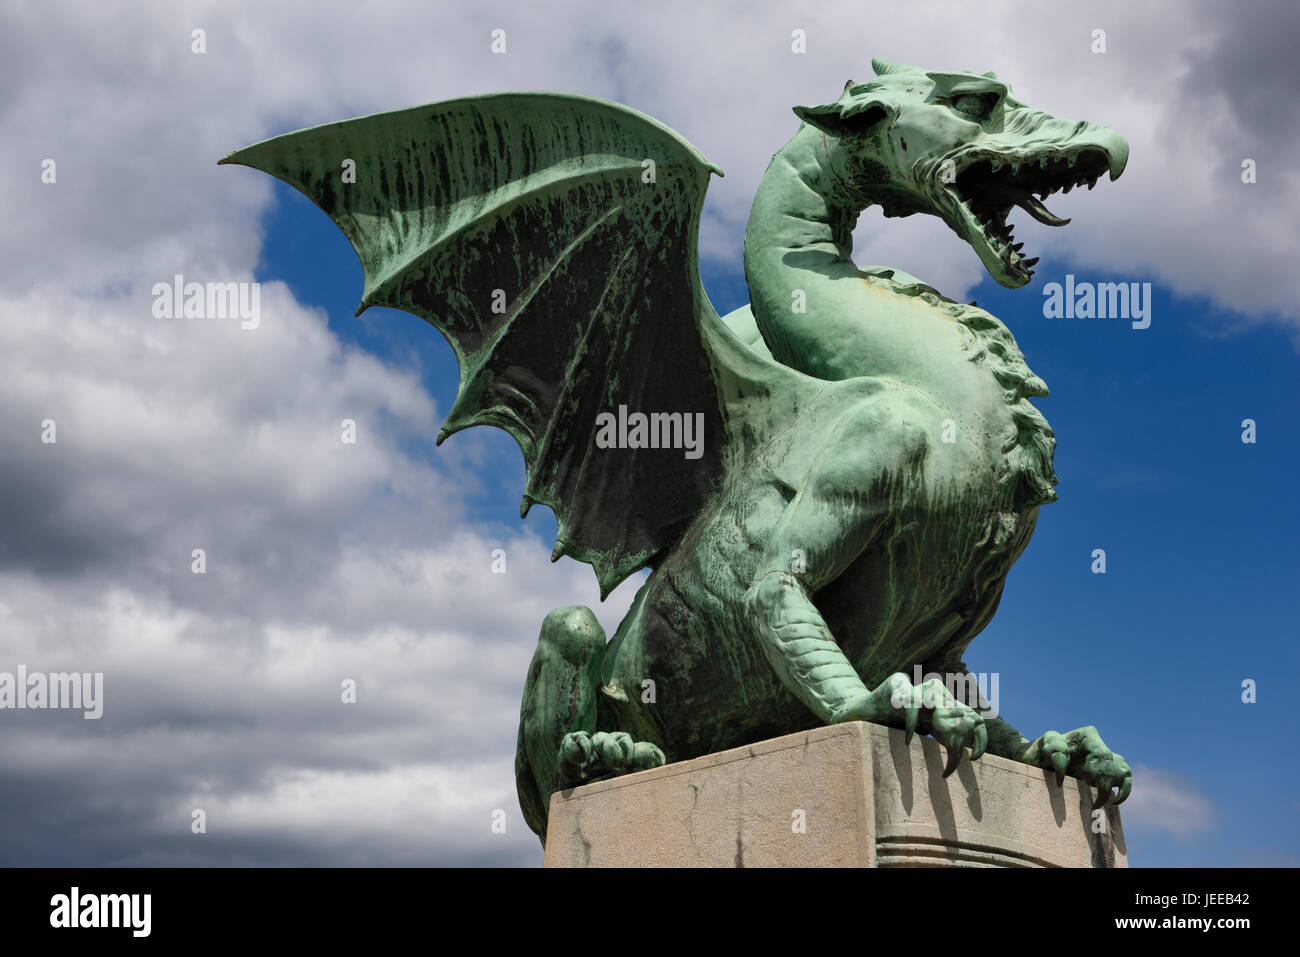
{"x":559,"y":698}
{"x":558,"y":744}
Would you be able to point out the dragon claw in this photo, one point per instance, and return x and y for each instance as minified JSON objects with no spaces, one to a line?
{"x":954,"y":759}
{"x":586,"y":757}
{"x":933,"y":710}
{"x":1060,"y":763}
{"x":1092,"y":762}
{"x":576,"y":748}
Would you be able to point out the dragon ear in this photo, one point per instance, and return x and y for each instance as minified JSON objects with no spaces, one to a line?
{"x":991,"y":75}
{"x":842,"y":119}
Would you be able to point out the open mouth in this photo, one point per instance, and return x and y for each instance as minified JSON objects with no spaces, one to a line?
{"x":988,"y":186}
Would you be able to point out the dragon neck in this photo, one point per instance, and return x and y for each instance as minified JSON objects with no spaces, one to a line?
{"x":799,"y":235}
{"x":816,"y":310}
{"x":820,"y":314}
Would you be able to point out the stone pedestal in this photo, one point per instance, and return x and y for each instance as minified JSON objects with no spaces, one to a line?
{"x":851,"y":795}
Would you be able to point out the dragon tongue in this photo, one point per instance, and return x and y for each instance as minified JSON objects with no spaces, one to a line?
{"x":1030,"y":204}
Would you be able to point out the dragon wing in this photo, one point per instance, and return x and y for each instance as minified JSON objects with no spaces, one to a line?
{"x":552,"y":240}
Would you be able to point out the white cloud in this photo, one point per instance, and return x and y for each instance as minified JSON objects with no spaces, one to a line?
{"x":137,"y":121}
{"x":325,"y":561}
{"x":1165,"y":801}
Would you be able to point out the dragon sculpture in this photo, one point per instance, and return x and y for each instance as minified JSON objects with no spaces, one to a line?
{"x":871,"y":465}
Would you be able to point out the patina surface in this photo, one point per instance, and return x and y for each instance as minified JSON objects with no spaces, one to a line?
{"x":871,"y":463}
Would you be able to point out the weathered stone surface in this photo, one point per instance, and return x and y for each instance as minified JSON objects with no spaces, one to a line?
{"x":868,"y":800}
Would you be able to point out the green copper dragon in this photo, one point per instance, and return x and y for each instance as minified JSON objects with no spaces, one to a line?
{"x":871,"y":466}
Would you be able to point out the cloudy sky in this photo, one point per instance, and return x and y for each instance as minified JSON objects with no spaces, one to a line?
{"x":372,"y":561}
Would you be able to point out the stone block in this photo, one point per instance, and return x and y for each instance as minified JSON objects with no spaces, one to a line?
{"x":849,"y":795}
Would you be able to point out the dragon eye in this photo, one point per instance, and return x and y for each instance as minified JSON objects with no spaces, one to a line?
{"x":974,"y":105}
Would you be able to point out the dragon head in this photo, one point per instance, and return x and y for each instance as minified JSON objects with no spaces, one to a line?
{"x":959,"y":146}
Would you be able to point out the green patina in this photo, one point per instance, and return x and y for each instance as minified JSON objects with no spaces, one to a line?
{"x":872,"y":465}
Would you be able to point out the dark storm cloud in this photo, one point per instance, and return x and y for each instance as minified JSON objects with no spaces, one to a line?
{"x":1251,"y":67}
